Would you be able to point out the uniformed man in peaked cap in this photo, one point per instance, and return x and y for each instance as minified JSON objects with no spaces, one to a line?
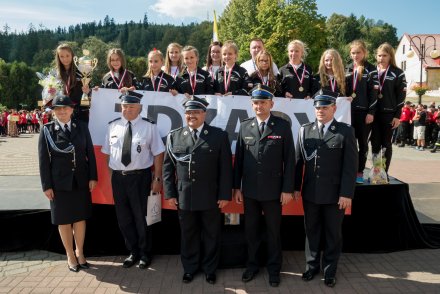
{"x":326,"y":167}
{"x":263,"y":179}
{"x":197,"y":174}
{"x":133,"y":144}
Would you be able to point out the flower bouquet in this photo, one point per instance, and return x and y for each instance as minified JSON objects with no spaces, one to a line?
{"x":378,"y":175}
{"x":51,"y":87}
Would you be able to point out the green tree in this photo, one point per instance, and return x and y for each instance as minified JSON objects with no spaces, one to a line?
{"x":281,"y":22}
{"x":238,"y":23}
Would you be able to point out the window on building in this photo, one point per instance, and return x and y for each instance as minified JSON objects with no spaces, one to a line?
{"x":403,"y":49}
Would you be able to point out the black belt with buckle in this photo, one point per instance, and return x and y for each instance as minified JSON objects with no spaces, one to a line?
{"x":131,"y":172}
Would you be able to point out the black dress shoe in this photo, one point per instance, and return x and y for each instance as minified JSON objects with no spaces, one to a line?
{"x":130,"y":261}
{"x":145,"y":262}
{"x":330,"y":282}
{"x":74,"y":268}
{"x":85,"y":265}
{"x":248,"y":275}
{"x":187,"y":278}
{"x":211,"y":278}
{"x":274,"y":281}
{"x":309,"y":274}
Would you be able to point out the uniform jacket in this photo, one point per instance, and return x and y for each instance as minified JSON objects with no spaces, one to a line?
{"x":129,"y":80}
{"x":239,"y":83}
{"x":264,"y":164}
{"x":75,"y":89}
{"x":393,"y":91}
{"x":57,"y":170}
{"x":366,"y":89}
{"x":207,"y":178}
{"x":332,"y":173}
{"x":290,"y":83}
{"x":203,"y":83}
{"x":166,"y":84}
{"x":273,"y":84}
{"x":317,"y":86}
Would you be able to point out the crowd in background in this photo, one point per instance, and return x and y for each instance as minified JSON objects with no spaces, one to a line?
{"x":13,"y":122}
{"x":419,"y":126}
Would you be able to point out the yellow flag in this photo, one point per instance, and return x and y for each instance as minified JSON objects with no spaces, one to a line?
{"x":214,"y":29}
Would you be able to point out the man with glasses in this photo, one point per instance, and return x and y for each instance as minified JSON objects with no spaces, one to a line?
{"x":197,"y":174}
{"x":326,"y":167}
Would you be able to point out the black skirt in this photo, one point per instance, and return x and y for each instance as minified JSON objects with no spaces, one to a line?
{"x":69,"y":207}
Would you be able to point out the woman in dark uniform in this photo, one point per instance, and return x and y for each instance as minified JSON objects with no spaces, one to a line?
{"x":264,"y":73}
{"x":68,"y":175}
{"x":119,"y":77}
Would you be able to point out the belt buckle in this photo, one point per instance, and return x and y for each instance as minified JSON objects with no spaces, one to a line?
{"x":124,"y":173}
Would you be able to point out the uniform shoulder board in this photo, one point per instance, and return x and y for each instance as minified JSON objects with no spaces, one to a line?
{"x":114,"y":120}
{"x":246,"y":119}
{"x":149,"y":120}
{"x":308,"y":124}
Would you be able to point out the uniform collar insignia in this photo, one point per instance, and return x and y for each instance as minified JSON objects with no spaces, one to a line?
{"x":74,"y":125}
{"x":57,"y":127}
{"x":185,"y":133}
{"x":253,"y":124}
{"x":271,"y":123}
{"x":332,"y":128}
{"x":314,"y":128}
{"x":205,"y":132}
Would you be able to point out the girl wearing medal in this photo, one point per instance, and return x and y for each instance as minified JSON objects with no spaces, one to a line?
{"x":119,"y":77}
{"x":296,"y":77}
{"x":362,"y":88}
{"x":331,"y":75}
{"x":213,"y":59}
{"x":392,"y":93}
{"x":264,"y":73}
{"x":71,"y":78}
{"x":156,"y":79}
{"x":173,"y":61}
{"x":193,"y":80}
{"x":231,"y":79}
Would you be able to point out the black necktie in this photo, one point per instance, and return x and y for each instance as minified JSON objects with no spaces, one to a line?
{"x":262,"y":127}
{"x":194,"y":135}
{"x":126,"y":146}
{"x":66,"y":130}
{"x":321,"y":131}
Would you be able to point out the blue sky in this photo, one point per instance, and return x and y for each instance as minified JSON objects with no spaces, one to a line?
{"x":407,"y":16}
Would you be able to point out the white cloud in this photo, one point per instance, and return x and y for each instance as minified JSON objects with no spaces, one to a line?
{"x":197,"y":9}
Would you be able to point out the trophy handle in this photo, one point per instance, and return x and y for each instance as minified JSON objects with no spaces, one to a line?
{"x":75,"y":60}
{"x":94,"y":63}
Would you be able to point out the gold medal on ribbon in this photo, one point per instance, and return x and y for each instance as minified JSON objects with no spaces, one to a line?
{"x":301,"y":89}
{"x":353,"y":95}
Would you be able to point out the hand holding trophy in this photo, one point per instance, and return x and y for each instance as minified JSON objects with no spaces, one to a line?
{"x":85,"y":66}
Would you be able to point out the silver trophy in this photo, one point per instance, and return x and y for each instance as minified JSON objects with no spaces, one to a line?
{"x":85,"y":65}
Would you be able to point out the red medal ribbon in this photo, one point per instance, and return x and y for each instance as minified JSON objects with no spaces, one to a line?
{"x":193,"y":83}
{"x":67,"y":86}
{"x":382,"y":78}
{"x":333,"y":83}
{"x":355,"y":76}
{"x":228,"y":80}
{"x":158,"y":86}
{"x":121,"y":81}
{"x":296,"y":73}
{"x":266,"y":83}
{"x":176,"y":72}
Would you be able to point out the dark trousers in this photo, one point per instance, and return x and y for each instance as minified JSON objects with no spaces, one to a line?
{"x":253,"y":210}
{"x":130,"y":193}
{"x":200,"y":243}
{"x":404,"y":132}
{"x":362,"y":132}
{"x":323,"y":225}
{"x":381,"y":136}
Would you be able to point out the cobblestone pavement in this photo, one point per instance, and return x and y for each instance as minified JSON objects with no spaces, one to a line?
{"x":415,"y":271}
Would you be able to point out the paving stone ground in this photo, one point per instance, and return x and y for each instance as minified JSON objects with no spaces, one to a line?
{"x":414,"y":271}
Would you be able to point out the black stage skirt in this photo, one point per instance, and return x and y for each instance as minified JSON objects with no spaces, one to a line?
{"x":69,"y":207}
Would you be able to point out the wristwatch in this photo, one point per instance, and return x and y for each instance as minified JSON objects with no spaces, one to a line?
{"x":157,"y":179}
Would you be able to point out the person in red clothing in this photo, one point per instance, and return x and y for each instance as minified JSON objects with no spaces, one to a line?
{"x":405,"y":118}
